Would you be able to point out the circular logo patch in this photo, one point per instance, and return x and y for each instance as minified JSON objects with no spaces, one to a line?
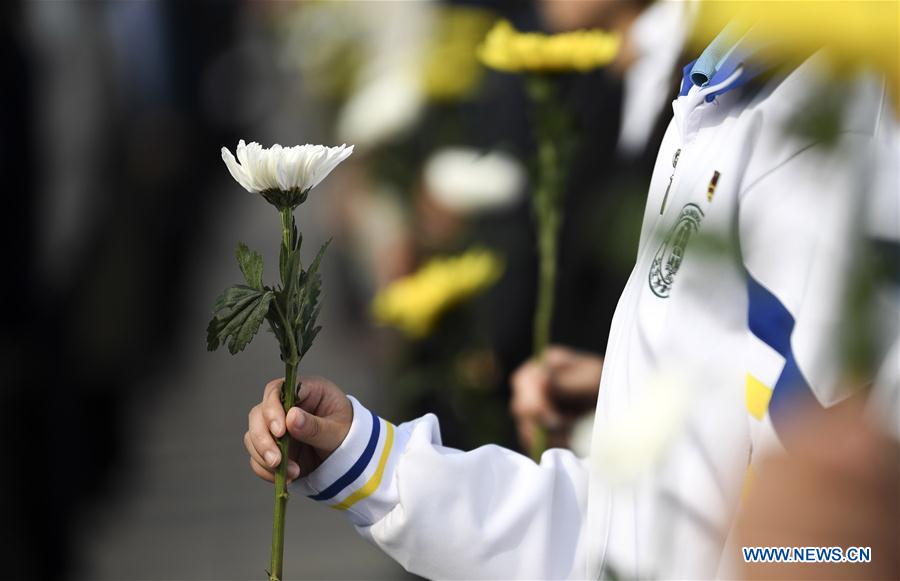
{"x":668,"y":258}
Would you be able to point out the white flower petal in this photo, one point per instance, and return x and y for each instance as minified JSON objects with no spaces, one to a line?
{"x":297,"y":172}
{"x":241,"y":152}
{"x":333,"y":156}
{"x":236,"y":171}
{"x":247,"y":156}
{"x":315,"y":165}
{"x":300,"y":167}
{"x":269,"y":166}
{"x":283,"y":171}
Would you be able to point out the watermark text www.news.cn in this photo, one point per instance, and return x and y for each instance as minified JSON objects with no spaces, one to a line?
{"x":807,"y":554}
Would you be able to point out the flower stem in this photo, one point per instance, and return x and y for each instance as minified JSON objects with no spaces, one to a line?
{"x":547,"y":213}
{"x":546,"y":203}
{"x":281,"y":493}
{"x":288,"y":391}
{"x":548,"y":227}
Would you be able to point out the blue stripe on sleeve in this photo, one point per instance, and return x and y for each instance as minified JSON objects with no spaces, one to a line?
{"x":357,"y":468}
{"x":773,"y":324}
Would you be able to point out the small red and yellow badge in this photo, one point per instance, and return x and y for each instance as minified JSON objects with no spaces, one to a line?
{"x":711,"y":189}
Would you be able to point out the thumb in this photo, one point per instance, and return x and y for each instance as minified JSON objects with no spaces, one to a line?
{"x":578,"y":378}
{"x":321,"y":433}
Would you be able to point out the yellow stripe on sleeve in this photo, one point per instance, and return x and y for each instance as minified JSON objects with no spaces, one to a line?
{"x":372,"y":485}
{"x":758,"y":395}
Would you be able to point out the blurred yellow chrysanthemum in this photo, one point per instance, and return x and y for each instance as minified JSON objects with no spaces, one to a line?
{"x":856,"y":34}
{"x":451,"y":69}
{"x":507,"y":49}
{"x":415,"y":303}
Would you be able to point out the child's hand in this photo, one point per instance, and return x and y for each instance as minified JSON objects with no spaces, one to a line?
{"x":554,"y":393}
{"x":317,"y":425}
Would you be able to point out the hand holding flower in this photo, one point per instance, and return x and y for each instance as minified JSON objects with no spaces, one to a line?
{"x":553,"y":393}
{"x":541,"y":58}
{"x":283,"y":176}
{"x":317,"y":426}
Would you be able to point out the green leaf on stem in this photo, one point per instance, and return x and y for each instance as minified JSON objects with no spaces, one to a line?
{"x":293,"y":272}
{"x":290,"y":264}
{"x":239,"y":312}
{"x":310,"y":286}
{"x":251,"y":264}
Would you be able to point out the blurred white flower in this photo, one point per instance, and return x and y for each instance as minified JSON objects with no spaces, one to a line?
{"x":582,"y":434}
{"x":468,"y":180}
{"x":287,"y":169}
{"x":381,"y":110}
{"x":624,"y":447}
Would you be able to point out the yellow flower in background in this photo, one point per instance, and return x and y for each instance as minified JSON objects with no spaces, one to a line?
{"x":415,"y":303}
{"x":855,"y":34}
{"x":451,"y":69}
{"x":507,"y":49}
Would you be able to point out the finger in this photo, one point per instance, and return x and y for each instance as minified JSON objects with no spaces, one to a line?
{"x":261,"y":471}
{"x":320,"y":433}
{"x":579,"y":378}
{"x":324,"y":399}
{"x":272,"y":408}
{"x":260,"y":438}
{"x":558,"y":356}
{"x":254,"y":454}
{"x":527,"y":407}
{"x":530,"y":384}
{"x":531,"y":399}
{"x":526,"y":373}
{"x":313,"y":395}
{"x":293,"y":471}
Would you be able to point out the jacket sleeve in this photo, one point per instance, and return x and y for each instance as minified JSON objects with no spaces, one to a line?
{"x":443,"y":513}
{"x":800,"y":237}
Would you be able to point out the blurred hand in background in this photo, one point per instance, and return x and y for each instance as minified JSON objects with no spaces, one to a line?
{"x":554,"y":393}
{"x":836,"y":487}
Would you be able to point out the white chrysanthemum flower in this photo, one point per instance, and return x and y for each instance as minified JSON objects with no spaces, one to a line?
{"x":278,"y":170}
{"x":468,"y":180}
{"x":625,"y":447}
{"x":381,"y":111}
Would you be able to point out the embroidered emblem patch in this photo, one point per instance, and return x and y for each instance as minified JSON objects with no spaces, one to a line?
{"x":668,"y":258}
{"x":711,"y":190}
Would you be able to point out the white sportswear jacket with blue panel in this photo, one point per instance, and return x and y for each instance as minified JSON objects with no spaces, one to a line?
{"x":754,"y":329}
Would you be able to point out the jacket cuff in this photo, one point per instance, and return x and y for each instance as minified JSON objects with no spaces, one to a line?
{"x":358,"y":477}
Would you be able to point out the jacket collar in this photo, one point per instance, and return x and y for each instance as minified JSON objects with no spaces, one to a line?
{"x":727,"y":54}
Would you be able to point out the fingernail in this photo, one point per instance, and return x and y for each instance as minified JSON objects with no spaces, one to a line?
{"x":275,"y":427}
{"x":293,"y":470}
{"x":299,"y":420}
{"x":271,"y":458}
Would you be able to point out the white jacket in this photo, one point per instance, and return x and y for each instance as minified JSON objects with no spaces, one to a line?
{"x":736,"y":290}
